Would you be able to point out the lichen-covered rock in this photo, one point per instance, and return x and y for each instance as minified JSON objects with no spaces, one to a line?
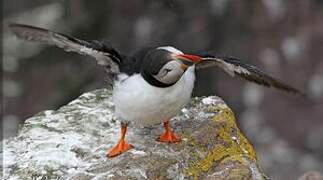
{"x":71,"y":143}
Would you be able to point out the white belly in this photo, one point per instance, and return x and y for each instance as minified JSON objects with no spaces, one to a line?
{"x":142,"y":104}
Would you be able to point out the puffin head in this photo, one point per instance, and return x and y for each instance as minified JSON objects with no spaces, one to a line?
{"x":164,"y":66}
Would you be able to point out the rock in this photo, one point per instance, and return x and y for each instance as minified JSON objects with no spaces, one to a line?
{"x":71,"y":143}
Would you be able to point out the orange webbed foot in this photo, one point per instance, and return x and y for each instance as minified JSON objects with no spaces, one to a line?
{"x":122,"y":145}
{"x":169,"y":136}
{"x":120,"y":148}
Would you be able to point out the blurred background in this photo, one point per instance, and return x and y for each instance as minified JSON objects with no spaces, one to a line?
{"x":283,"y":37}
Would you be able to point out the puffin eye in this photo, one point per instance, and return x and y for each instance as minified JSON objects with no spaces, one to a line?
{"x":168,"y":70}
{"x":165,"y":71}
{"x":170,"y":73}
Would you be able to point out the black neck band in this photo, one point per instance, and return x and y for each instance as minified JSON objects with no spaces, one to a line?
{"x":154,"y":82}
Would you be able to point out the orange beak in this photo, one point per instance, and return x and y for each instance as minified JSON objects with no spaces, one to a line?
{"x":189,"y":57}
{"x":188,"y":60}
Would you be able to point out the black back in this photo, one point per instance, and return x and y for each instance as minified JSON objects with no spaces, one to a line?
{"x":133,"y":64}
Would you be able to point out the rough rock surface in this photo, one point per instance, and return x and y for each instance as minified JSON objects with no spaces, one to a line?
{"x":71,"y":143}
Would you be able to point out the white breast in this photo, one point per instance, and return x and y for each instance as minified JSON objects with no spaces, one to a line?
{"x":138,"y":102}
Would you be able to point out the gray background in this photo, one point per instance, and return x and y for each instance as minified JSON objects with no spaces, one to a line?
{"x":284,"y":37}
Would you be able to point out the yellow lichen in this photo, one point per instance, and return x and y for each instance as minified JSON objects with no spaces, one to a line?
{"x":241,"y":142}
{"x":233,"y":147}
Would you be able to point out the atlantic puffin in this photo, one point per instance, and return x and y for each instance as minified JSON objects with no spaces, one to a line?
{"x":154,"y":84}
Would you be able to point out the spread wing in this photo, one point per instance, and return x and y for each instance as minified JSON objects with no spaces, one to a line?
{"x":233,"y":66}
{"x":101,"y":51}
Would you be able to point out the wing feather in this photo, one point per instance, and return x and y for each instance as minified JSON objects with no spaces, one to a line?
{"x":101,"y":51}
{"x":234,"y":66}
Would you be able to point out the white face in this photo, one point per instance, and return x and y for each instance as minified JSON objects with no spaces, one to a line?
{"x":170,"y":73}
{"x":171,"y":49}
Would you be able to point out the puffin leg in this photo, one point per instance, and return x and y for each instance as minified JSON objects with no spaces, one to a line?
{"x":122,"y":145}
{"x":169,"y":136}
